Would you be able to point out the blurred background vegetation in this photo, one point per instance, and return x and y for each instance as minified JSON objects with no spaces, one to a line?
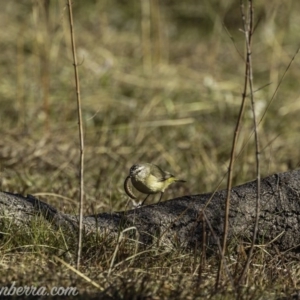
{"x":161,"y":82}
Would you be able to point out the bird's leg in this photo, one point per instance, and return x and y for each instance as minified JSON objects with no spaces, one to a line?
{"x":145,"y":199}
{"x":161,"y":195}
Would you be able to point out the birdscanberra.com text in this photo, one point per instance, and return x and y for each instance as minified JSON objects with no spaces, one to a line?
{"x":25,"y":290}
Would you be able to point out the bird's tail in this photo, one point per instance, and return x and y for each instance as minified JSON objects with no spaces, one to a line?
{"x":180,"y":180}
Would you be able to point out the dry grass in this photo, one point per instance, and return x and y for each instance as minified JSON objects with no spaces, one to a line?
{"x":175,"y":105}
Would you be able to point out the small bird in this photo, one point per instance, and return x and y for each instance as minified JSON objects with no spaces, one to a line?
{"x":149,"y":179}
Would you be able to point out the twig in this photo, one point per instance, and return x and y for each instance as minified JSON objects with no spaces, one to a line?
{"x":248,"y":30}
{"x":81,"y":182}
{"x":230,"y":172}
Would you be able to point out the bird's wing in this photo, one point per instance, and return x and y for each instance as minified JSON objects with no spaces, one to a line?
{"x":160,"y":174}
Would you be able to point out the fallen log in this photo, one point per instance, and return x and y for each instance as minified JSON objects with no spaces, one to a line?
{"x":181,"y":221}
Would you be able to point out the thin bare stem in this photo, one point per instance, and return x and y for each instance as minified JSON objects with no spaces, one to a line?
{"x":230,"y":173}
{"x":81,"y":139}
{"x":248,"y":30}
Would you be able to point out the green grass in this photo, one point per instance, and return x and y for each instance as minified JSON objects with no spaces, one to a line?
{"x":179,"y":111}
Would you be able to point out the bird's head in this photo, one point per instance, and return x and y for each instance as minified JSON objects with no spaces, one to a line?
{"x":137,"y":169}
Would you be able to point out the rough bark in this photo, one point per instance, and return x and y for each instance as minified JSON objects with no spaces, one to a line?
{"x":179,"y":221}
